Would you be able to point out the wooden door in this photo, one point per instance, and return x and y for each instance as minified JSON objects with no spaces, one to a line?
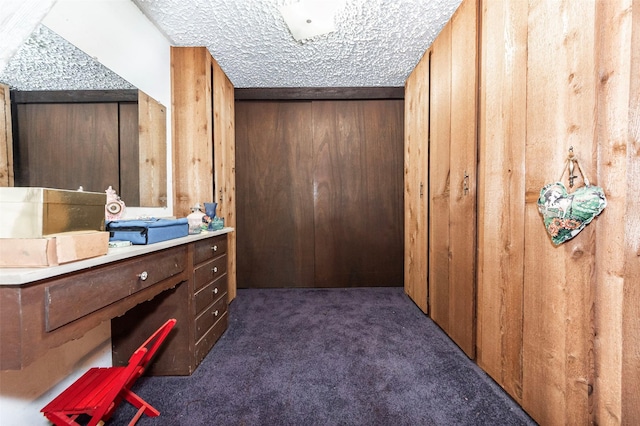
{"x":275,"y":233}
{"x":416,"y":145}
{"x":68,"y":145}
{"x":319,"y":193}
{"x":452,"y":178}
{"x":358,"y":193}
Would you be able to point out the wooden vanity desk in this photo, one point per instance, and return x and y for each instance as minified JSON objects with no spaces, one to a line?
{"x":137,"y":288}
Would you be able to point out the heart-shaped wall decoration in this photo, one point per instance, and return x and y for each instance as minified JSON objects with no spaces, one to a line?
{"x":564,"y":214}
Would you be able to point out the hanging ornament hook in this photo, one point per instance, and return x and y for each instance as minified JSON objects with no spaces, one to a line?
{"x":571,"y":158}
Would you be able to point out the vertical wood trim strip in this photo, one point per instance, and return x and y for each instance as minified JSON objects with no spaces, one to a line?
{"x":224,"y":162}
{"x":631,"y":303}
{"x":6,"y":138}
{"x":501,"y":185}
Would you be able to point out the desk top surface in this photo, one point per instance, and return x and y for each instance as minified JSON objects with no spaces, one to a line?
{"x":21,"y":276}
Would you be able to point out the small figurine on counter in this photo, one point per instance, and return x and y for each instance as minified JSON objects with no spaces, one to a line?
{"x":115,"y":206}
{"x":196,"y":219}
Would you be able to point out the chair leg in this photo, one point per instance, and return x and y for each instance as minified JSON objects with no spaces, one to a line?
{"x":137,"y":416}
{"x":140,"y":403}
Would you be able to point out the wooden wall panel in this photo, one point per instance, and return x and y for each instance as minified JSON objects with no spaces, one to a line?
{"x":6,"y":138}
{"x":192,"y":128}
{"x":358,"y":193}
{"x":275,"y":194}
{"x":501,"y":185}
{"x":224,"y":159}
{"x":617,"y":350}
{"x":416,"y":152}
{"x":152,"y":142}
{"x":439,"y":178}
{"x":558,"y":334}
{"x":630,"y":389}
{"x":462,"y":197}
{"x":203,"y":140}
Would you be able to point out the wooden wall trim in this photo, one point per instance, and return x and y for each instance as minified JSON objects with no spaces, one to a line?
{"x":64,"y":96}
{"x":319,"y":93}
{"x":6,"y":138}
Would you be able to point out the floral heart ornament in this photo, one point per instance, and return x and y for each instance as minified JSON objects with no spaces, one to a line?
{"x":564,"y":214}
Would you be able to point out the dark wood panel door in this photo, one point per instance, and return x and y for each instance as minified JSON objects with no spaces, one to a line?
{"x":274,"y":190}
{"x":358,"y":193}
{"x":319,"y":193}
{"x":68,"y":145}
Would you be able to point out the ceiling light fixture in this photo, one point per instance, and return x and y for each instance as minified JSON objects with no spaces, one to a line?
{"x":311,"y":18}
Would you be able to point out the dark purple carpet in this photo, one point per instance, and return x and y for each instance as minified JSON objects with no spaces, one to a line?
{"x":360,"y":356}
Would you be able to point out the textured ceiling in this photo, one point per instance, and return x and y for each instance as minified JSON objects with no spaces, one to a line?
{"x":376,"y":43}
{"x":46,"y":61}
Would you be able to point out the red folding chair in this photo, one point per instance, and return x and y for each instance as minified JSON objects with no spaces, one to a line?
{"x":101,"y":389}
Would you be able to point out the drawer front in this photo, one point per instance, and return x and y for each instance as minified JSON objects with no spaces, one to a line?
{"x":72,"y":297}
{"x":206,"y":319}
{"x":210,"y":293}
{"x":204,"y":345}
{"x":210,"y":248}
{"x":209,"y":271}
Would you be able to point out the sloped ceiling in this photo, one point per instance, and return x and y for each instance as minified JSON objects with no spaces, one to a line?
{"x":376,"y":43}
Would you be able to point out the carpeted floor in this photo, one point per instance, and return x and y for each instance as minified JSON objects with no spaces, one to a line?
{"x":361,"y":356}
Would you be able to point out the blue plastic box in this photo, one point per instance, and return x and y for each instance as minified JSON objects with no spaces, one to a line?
{"x":147,"y":231}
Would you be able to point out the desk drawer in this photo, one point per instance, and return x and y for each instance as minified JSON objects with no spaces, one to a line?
{"x":210,"y":248}
{"x":204,"y":345}
{"x":208,"y":294}
{"x":206,"y":319}
{"x":209,"y":271}
{"x":75,"y":296}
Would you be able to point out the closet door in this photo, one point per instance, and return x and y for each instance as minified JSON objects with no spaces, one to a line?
{"x":274,"y":165}
{"x":358,"y":193}
{"x":416,"y":145}
{"x":52,"y":135}
{"x":319,"y":188}
{"x":452,"y":177}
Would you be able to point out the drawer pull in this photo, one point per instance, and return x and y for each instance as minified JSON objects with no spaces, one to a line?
{"x":143,"y":276}
{"x":214,"y":248}
{"x":215,"y":313}
{"x":215,"y":290}
{"x":215,"y":269}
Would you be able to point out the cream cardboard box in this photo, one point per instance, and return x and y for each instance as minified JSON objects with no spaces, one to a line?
{"x":27,"y":212}
{"x":52,"y":250}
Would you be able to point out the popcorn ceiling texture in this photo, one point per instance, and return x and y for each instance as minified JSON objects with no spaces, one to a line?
{"x":377,"y":43}
{"x":46,"y":61}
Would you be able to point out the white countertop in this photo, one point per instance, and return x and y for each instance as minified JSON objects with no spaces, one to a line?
{"x":19,"y":276}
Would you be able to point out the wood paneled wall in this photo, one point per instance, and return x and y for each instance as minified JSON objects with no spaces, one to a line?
{"x":558,"y":327}
{"x":203,"y":125}
{"x":553,"y":324}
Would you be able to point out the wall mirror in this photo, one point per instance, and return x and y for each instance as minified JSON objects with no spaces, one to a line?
{"x":77,"y":123}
